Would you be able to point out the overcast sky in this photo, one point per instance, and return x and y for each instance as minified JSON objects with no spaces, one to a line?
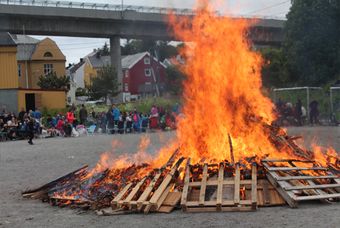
{"x":76,"y":48}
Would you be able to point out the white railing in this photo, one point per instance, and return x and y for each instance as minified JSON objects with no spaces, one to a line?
{"x":117,"y":7}
{"x":97,"y":6}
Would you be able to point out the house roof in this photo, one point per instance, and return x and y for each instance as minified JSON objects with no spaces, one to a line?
{"x":6,"y":39}
{"x":128,"y":61}
{"x":75,"y":67}
{"x":25,"y":52}
{"x":24,"y":39}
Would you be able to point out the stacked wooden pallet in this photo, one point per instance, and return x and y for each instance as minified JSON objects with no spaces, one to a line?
{"x":301,"y":183}
{"x":153,"y":195}
{"x":228,"y":192}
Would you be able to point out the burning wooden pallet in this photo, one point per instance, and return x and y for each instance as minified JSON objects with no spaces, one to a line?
{"x":309,"y":182}
{"x":150,"y":195}
{"x":227,"y":192}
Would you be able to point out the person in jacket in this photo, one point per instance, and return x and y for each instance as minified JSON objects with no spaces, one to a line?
{"x":83,"y":114}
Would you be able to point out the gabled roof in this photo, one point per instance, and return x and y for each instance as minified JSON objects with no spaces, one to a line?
{"x":25,"y":52}
{"x":99,"y":61}
{"x":128,"y":61}
{"x":24,"y":39}
{"x":6,"y":39}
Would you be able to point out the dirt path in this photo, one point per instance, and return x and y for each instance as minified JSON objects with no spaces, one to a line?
{"x":23,"y":166}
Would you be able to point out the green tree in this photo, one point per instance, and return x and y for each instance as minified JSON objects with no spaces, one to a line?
{"x":162,"y":48}
{"x":52,"y":81}
{"x":174,"y":80}
{"x":274,"y":70}
{"x":105,"y":84}
{"x":312,"y":41}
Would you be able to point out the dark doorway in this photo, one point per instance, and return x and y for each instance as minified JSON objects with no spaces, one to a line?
{"x":30,"y":101}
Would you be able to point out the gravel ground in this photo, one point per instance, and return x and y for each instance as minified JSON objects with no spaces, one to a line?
{"x":23,"y":166}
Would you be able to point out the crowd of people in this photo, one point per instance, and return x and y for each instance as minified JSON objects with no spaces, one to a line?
{"x":289,"y":114}
{"x":80,"y":121}
{"x":21,"y":126}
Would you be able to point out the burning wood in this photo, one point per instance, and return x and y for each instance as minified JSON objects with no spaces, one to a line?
{"x":225,"y":133}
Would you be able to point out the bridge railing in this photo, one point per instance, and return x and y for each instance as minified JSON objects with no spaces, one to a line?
{"x":97,"y":6}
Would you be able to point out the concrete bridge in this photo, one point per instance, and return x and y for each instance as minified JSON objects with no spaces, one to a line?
{"x":59,"y":18}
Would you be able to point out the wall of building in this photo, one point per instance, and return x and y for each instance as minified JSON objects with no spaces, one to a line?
{"x":9,"y":100}
{"x":37,"y":69}
{"x":89,"y":73}
{"x":47,"y":99}
{"x":8,"y":68}
{"x":136,"y":75}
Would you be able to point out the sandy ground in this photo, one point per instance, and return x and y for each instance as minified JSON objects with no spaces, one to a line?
{"x":23,"y":166}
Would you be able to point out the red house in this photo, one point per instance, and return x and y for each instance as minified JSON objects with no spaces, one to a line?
{"x":143,"y":76}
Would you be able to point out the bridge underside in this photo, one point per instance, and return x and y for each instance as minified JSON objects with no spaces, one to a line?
{"x":105,"y":29}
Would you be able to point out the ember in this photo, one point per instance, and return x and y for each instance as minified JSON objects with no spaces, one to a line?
{"x":226,"y":144}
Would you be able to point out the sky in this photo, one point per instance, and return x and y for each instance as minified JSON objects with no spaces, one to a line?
{"x":75,"y":48}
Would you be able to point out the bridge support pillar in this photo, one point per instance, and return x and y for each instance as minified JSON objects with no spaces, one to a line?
{"x":116,"y":62}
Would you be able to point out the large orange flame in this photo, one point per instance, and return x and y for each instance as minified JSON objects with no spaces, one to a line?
{"x":222,"y":93}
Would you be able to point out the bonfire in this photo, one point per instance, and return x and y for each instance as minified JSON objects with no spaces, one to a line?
{"x":227,"y":156}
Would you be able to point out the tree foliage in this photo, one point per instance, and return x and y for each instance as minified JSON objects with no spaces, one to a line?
{"x":162,"y":48}
{"x":312,"y":41}
{"x":105,"y":84}
{"x":52,"y":81}
{"x":174,"y":80}
{"x":274,"y":70}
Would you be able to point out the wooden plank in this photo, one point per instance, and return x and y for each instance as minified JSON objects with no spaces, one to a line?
{"x":220,"y":186}
{"x":133,"y":191}
{"x":157,"y":194}
{"x":203,"y":184}
{"x":266,"y":193}
{"x":254,"y":186}
{"x":114,"y":202}
{"x":306,"y":177}
{"x":213,"y":209}
{"x":214,"y":202}
{"x":172,"y":199}
{"x":287,"y":196}
{"x":287,"y":160}
{"x":186,"y":185}
{"x":237,"y":185}
{"x":311,"y":187}
{"x":215,"y":182}
{"x":148,"y":190}
{"x":295,"y":168}
{"x":163,"y":197}
{"x":316,"y":197}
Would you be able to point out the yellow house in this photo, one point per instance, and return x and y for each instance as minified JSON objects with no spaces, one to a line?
{"x":23,"y":60}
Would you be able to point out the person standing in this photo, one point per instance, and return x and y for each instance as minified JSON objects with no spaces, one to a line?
{"x":83,"y":114}
{"x":298,"y":112}
{"x":70,"y":116}
{"x":115,"y":114}
{"x":21,"y":115}
{"x":30,"y":130}
{"x":314,"y":112}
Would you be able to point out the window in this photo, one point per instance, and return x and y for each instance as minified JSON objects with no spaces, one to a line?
{"x":19,"y":70}
{"x":146,"y":60}
{"x":48,"y":54}
{"x":126,"y":73}
{"x":48,"y":68}
{"x":147,"y":72}
{"x":126,"y":87}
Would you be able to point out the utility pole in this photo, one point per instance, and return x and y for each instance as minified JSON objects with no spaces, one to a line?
{"x":25,"y":54}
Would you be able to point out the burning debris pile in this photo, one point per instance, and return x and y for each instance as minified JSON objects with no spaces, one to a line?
{"x":227,"y":147}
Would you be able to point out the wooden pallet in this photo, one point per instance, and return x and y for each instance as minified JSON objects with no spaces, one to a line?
{"x":227,"y":191}
{"x":267,"y":195}
{"x":294,"y":184}
{"x":147,"y":197}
